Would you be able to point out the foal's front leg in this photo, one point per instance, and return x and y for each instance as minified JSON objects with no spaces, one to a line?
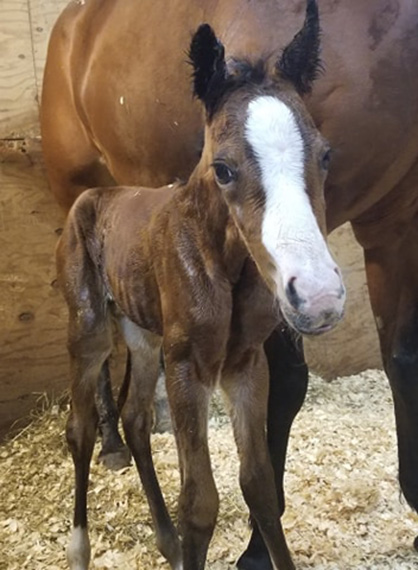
{"x":287,"y":390}
{"x":246,"y":386}
{"x":189,"y":396}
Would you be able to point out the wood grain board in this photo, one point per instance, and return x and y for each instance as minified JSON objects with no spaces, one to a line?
{"x":19,"y":107}
{"x":25,"y":26}
{"x":32,"y":336}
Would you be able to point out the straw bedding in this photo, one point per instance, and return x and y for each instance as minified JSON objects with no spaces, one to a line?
{"x":343,"y":504}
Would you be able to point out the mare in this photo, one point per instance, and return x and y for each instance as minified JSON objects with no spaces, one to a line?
{"x":206,"y":270}
{"x":116,"y":107}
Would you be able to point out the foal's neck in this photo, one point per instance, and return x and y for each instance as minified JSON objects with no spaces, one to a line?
{"x":203,"y":201}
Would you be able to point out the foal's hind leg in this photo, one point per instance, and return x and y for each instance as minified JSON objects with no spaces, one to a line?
{"x":144,"y":350}
{"x":88,"y":355}
{"x":287,"y":389}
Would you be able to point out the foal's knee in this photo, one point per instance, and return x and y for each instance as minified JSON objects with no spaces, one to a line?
{"x":198,"y":506}
{"x":71,"y":434}
{"x":258,"y":488}
{"x":137,"y":424}
{"x":81,"y":429}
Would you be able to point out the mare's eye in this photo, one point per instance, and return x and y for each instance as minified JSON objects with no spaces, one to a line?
{"x":326,"y":159}
{"x":224,"y":174}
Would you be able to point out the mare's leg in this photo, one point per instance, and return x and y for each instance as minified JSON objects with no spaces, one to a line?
{"x":246,"y":386}
{"x":189,"y":394}
{"x":114,"y":453}
{"x":88,"y":353}
{"x":287,"y":390}
{"x":392,"y":275}
{"x":137,"y":414}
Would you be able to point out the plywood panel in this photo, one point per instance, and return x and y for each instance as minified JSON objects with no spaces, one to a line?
{"x":18,"y":97}
{"x":32,"y":314}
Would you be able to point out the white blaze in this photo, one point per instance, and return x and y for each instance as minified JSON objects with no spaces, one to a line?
{"x":290,"y":232}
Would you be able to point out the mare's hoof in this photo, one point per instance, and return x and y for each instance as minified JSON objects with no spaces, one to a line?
{"x":416,"y":543}
{"x":117,"y":459}
{"x":249,"y":562}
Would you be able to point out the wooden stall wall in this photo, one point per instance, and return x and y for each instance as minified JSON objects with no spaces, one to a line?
{"x":33,"y":358}
{"x":32,"y":316}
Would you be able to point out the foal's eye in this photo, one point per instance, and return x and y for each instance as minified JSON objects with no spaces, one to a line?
{"x":224,"y":174}
{"x":326,"y":159}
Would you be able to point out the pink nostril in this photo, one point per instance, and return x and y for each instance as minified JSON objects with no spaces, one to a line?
{"x":292,"y":294}
{"x":291,"y":285}
{"x":341,"y":291}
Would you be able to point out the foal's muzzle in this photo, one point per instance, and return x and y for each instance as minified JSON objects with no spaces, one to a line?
{"x":314,"y":316}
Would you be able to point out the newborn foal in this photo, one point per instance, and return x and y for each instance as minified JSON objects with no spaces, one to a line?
{"x":204,"y":270}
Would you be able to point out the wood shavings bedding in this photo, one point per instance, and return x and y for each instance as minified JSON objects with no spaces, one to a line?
{"x":343,"y":500}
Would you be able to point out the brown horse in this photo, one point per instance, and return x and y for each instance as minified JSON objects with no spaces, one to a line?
{"x":116,"y":106}
{"x":206,"y":270}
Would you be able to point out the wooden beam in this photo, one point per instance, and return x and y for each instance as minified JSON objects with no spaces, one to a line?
{"x":18,"y":101}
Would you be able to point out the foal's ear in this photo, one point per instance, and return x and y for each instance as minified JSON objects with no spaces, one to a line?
{"x":207,"y":56}
{"x":300,"y":62}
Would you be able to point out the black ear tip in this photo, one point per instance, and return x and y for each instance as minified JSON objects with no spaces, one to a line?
{"x":300,"y":62}
{"x":204,"y":40}
{"x":312,"y":14}
{"x":205,"y":30}
{"x":312,"y":7}
{"x":204,"y":35}
{"x":206,"y":54}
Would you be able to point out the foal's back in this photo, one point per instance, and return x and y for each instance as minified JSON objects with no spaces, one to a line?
{"x":114,"y":234}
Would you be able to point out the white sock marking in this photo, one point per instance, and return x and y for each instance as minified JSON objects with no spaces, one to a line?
{"x":78,"y":551}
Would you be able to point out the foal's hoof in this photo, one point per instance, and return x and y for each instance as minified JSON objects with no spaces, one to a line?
{"x":249,"y":562}
{"x":416,"y":543}
{"x":117,"y":459}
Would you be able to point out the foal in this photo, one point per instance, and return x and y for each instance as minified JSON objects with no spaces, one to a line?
{"x":204,"y":270}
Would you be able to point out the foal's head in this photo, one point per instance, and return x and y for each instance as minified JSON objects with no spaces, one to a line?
{"x":268,"y":160}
